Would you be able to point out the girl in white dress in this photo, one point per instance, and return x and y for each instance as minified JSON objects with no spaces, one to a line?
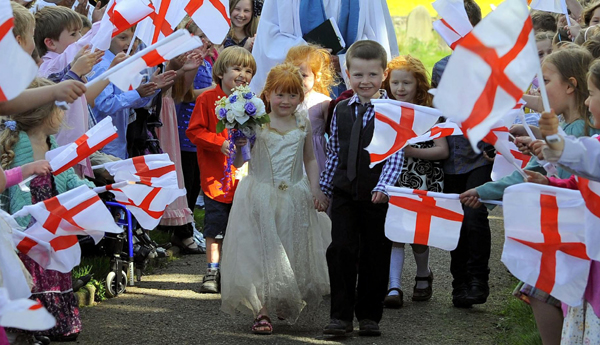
{"x":274,"y":253}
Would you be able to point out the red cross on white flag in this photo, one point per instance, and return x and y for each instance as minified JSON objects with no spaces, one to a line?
{"x":422,"y":217}
{"x":545,"y":236}
{"x":502,"y":167}
{"x":57,"y":253}
{"x":126,"y":75}
{"x":24,"y":313}
{"x":454,"y":23}
{"x":590,"y":190}
{"x":67,"y":156}
{"x":441,"y":130}
{"x":396,"y":123}
{"x":118,"y":17}
{"x":152,"y":170}
{"x":212,"y":17}
{"x":489,"y":70}
{"x":162,"y":22}
{"x":147,"y":204}
{"x":76,"y":212}
{"x":18,"y":68}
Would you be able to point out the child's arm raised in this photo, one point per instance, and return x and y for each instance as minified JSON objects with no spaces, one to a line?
{"x":312,"y":171}
{"x":67,"y":91}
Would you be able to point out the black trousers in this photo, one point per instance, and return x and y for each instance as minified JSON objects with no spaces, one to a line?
{"x":471,"y":256}
{"x":358,"y":246}
{"x":191,"y":177}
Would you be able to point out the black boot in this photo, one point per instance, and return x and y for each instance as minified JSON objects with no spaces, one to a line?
{"x":460,"y":293}
{"x":478,"y":291}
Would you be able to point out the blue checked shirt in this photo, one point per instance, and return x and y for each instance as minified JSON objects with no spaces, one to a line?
{"x":392,"y":168}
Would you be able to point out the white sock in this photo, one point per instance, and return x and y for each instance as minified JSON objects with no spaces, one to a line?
{"x":396,"y":265}
{"x":422,"y":261}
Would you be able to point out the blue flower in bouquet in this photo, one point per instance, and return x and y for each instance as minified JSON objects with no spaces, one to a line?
{"x":250,"y":109}
{"x":233,"y":99}
{"x":248,"y":95}
{"x":222,"y":113}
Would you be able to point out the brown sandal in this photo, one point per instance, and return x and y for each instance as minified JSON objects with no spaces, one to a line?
{"x":262,"y":325}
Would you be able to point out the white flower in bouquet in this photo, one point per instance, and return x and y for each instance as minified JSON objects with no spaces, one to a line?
{"x":241,"y":110}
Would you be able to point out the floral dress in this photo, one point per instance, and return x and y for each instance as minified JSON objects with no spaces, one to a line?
{"x":422,"y":174}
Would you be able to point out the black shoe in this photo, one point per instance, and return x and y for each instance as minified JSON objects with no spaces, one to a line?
{"x":64,"y":338}
{"x":368,"y":328}
{"x":338,"y":327}
{"x":44,"y":340}
{"x":478,"y":291}
{"x":81,"y":282}
{"x":459,"y":296}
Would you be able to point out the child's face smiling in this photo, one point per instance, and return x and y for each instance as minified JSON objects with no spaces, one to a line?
{"x":121,"y":42}
{"x":283,"y":104}
{"x":235,"y":76}
{"x":403,"y":85}
{"x":593,"y":102}
{"x":66,"y":38}
{"x":241,"y":14}
{"x":366,"y":77}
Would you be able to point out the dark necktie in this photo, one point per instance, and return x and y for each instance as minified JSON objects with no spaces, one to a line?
{"x":354,"y":148}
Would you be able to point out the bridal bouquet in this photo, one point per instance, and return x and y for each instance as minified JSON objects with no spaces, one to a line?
{"x":241,"y":113}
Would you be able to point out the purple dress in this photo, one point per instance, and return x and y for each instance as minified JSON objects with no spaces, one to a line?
{"x":313,"y":103}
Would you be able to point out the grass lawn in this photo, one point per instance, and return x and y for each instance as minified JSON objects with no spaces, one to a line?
{"x":517,"y":324}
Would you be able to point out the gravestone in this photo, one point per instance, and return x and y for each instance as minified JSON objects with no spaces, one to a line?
{"x":419,"y":25}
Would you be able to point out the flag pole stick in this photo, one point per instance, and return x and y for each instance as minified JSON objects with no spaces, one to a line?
{"x":117,"y":185}
{"x":519,"y":169}
{"x":491,"y":202}
{"x":22,"y":184}
{"x":137,"y":27}
{"x":545,"y":102}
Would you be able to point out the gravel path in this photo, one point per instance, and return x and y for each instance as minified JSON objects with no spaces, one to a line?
{"x":166,"y":308}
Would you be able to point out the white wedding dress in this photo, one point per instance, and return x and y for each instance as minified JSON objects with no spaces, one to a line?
{"x":274,"y":250}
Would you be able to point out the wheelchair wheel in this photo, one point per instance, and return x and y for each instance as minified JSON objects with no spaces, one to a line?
{"x":114,"y":288}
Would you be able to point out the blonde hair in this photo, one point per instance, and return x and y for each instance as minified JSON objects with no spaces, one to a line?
{"x":319,"y":61}
{"x":416,"y":67}
{"x":284,"y":78}
{"x":232,"y":56}
{"x":574,"y":63}
{"x":25,"y":121}
{"x":24,"y":20}
{"x":50,"y":23}
{"x":250,"y":28}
